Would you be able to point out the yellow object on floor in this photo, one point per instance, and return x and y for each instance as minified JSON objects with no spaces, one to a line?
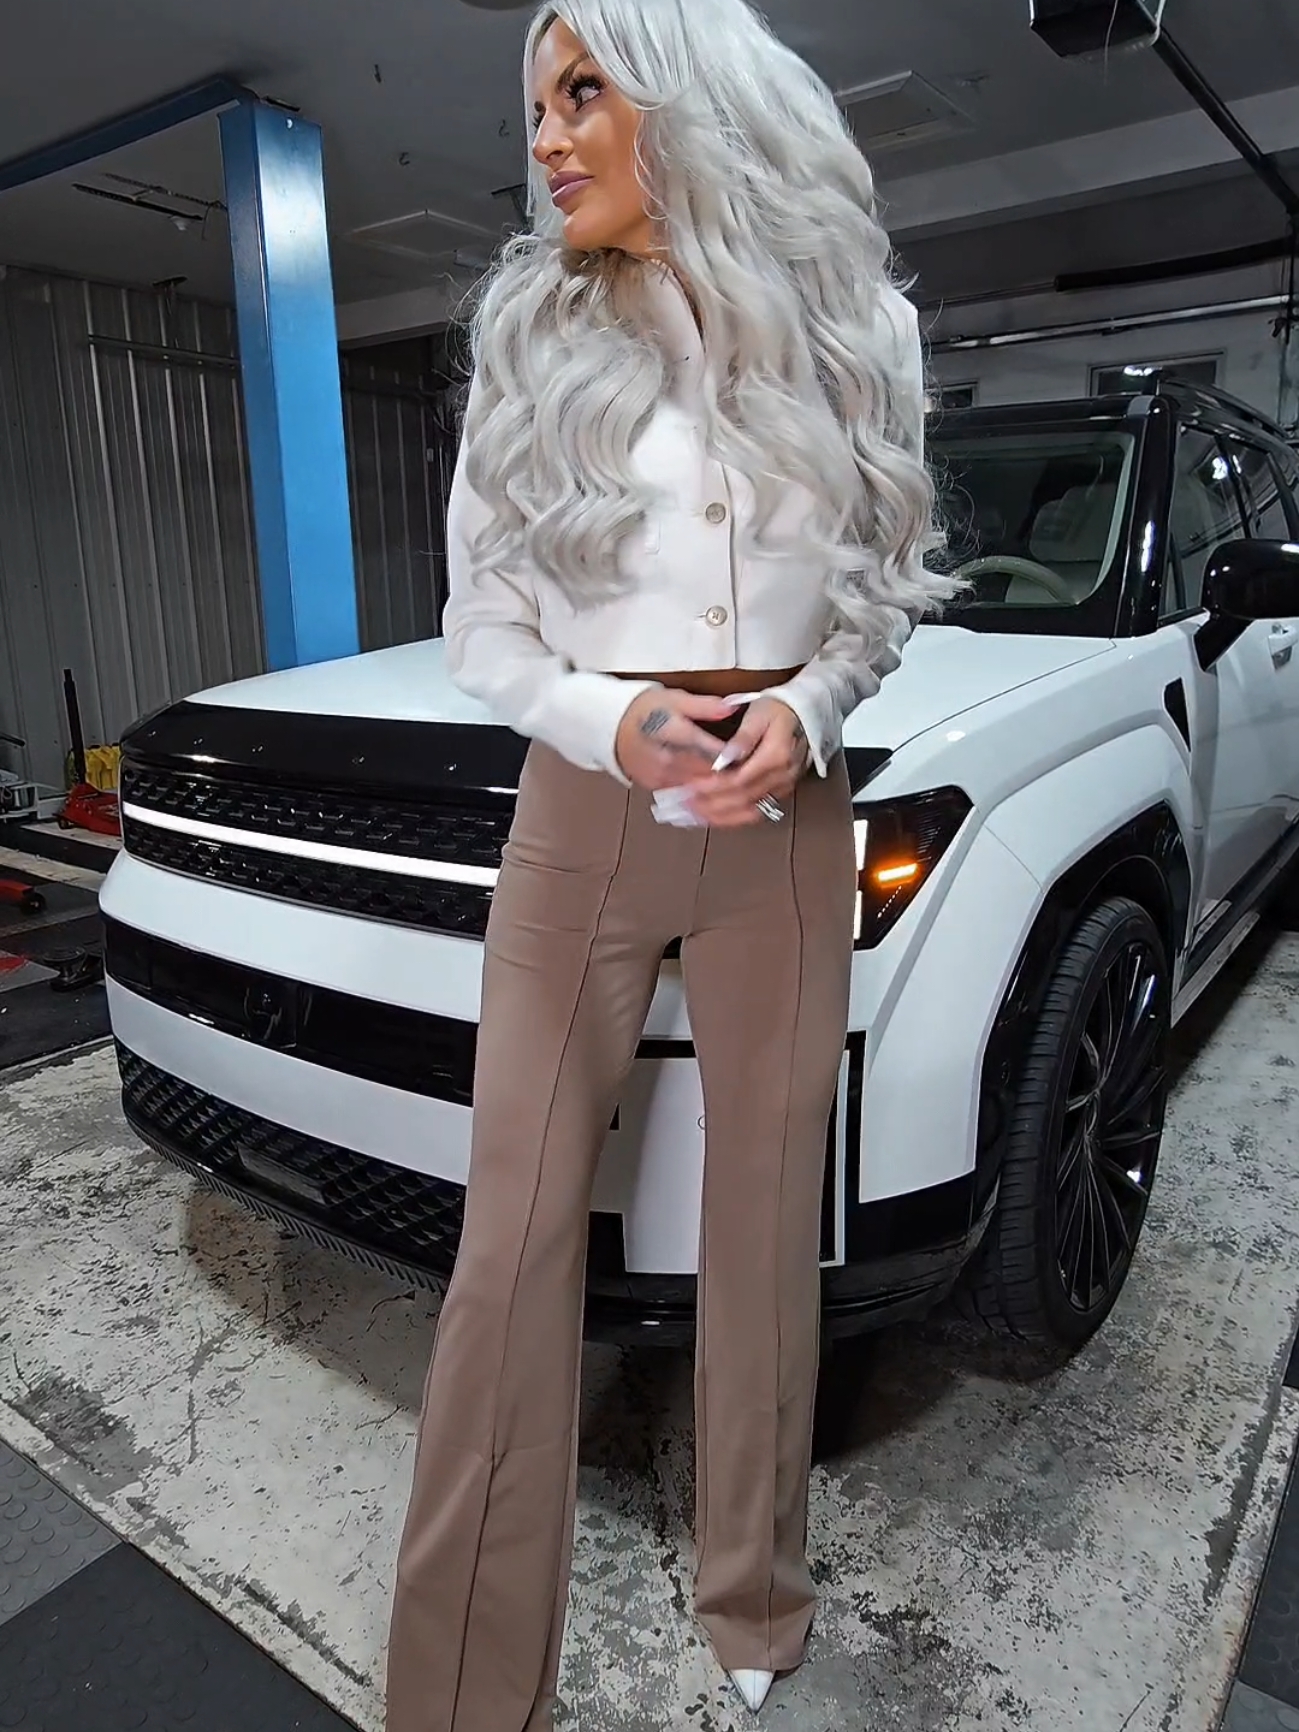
{"x":102,"y":767}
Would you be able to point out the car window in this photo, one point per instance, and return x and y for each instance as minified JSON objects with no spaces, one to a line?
{"x":1265,"y":510}
{"x":1287,"y":462}
{"x":1205,"y":513}
{"x":1034,"y":520}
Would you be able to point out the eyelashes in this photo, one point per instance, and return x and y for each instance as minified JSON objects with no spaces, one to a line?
{"x":586,"y":82}
{"x":579,"y":91}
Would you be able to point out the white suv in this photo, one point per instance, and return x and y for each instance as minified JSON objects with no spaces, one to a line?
{"x":1071,"y":801}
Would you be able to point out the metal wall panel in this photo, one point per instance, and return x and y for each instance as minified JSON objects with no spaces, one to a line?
{"x":126,"y":544}
{"x":125,"y":537}
{"x":400,"y":454}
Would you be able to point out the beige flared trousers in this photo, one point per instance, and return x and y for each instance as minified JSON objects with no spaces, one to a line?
{"x":591,"y":892}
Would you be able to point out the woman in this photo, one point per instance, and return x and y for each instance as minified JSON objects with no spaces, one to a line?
{"x":690,"y":506}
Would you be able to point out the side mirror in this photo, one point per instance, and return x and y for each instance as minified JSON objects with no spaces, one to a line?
{"x":1248,"y":580}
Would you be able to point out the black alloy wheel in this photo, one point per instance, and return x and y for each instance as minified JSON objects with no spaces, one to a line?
{"x":1084,"y":1136}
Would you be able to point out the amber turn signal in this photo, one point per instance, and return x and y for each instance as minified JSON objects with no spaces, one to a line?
{"x":899,"y":842}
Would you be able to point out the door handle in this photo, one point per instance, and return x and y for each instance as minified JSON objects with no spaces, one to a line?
{"x":1281,"y":640}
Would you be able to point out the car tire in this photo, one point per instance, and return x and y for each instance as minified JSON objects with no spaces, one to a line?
{"x":1082,"y":1143}
{"x":1285,"y":904}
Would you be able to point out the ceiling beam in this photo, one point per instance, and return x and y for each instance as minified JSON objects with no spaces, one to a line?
{"x":1198,"y":88}
{"x":1083,"y":170}
{"x":123,"y":129}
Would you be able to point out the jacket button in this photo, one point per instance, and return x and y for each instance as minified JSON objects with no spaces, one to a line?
{"x":717,"y":616}
{"x":716,"y":513}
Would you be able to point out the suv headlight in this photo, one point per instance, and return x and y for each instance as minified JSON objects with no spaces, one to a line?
{"x":899,"y":842}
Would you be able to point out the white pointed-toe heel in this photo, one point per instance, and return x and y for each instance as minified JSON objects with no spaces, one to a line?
{"x":753,"y":1686}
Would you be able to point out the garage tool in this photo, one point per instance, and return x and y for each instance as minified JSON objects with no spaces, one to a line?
{"x":86,"y":807}
{"x":74,"y":969}
{"x":19,"y":798}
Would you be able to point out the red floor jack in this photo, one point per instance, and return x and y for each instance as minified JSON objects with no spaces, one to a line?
{"x":12,"y":891}
{"x":86,"y":807}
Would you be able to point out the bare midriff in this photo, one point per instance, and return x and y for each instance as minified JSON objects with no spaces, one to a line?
{"x":719,"y":682}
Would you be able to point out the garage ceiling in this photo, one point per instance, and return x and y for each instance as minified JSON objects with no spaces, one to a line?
{"x":421,"y":113}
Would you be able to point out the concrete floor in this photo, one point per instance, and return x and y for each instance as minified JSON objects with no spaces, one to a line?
{"x":1000,"y":1544}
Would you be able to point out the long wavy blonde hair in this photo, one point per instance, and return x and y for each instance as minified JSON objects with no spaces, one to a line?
{"x":767,"y":209}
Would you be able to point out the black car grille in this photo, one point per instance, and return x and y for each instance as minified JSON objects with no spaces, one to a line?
{"x":458,"y":908}
{"x":447,"y":831}
{"x":414,"y":1218}
{"x":461,"y":834}
{"x":406,"y":1223}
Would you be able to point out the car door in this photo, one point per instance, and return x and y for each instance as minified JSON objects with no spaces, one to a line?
{"x":1270,"y":480}
{"x":1234,"y":707}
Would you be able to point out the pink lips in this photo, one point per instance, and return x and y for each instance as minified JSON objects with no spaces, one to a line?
{"x":563,"y":188}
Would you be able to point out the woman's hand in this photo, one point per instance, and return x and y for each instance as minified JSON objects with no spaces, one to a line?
{"x":771,"y":756}
{"x":660,"y":744}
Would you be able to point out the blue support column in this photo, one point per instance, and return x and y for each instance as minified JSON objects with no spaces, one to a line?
{"x":293,"y":404}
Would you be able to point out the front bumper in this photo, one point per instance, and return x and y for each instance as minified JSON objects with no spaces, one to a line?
{"x":407,"y":1224}
{"x":298,"y":1019}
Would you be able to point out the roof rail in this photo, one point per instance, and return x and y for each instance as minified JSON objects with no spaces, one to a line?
{"x":1181,"y":390}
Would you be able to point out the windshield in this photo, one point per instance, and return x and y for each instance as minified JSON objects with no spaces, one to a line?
{"x":1034,"y":521}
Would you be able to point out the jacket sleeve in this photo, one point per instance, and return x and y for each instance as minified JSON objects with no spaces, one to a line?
{"x":495,"y":651}
{"x":841,"y":675}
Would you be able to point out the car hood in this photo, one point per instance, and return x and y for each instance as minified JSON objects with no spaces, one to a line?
{"x":946,"y":671}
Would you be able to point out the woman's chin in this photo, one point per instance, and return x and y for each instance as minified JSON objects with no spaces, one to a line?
{"x":584,"y":236}
{"x":597,"y":237}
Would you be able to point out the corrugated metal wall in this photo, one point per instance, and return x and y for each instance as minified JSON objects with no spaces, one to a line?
{"x":126,"y":548}
{"x":400,"y":452}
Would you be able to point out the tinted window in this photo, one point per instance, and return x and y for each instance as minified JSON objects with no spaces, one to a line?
{"x":1205,"y":513}
{"x":1264,"y":508}
{"x":1287,"y":462}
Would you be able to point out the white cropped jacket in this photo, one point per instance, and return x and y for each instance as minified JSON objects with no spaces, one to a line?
{"x":701,"y":597}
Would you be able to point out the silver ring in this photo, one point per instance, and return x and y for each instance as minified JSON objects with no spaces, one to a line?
{"x":769,"y":809}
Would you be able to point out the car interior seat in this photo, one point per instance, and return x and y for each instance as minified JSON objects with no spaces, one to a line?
{"x":1074,"y":537}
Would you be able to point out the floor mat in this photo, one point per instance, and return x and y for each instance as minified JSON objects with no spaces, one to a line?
{"x":1249,"y":1711}
{"x":16,"y":971}
{"x":74,"y":847}
{"x":62,"y":902}
{"x":45,"y":1538}
{"x":122,"y":1645}
{"x":35,"y":1020}
{"x":1271,"y":1660}
{"x":44,"y":943}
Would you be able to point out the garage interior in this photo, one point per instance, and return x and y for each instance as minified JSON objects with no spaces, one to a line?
{"x":212,"y":1423}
